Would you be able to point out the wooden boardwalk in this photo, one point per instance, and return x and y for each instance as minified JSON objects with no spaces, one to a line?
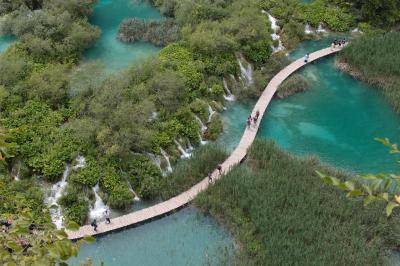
{"x":235,"y":157}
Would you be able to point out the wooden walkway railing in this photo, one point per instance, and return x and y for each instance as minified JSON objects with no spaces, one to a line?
{"x":235,"y":157}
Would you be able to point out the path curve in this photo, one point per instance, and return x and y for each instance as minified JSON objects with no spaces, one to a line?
{"x":235,"y":158}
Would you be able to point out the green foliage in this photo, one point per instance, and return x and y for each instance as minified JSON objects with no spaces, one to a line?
{"x":89,"y":175}
{"x":75,"y":205}
{"x":294,"y":84}
{"x":157,"y":32}
{"x":120,"y":198}
{"x":335,"y":18}
{"x":189,"y":172}
{"x":280,"y":211}
{"x":200,"y":107}
{"x":258,"y":52}
{"x":214,"y":128}
{"x":376,"y":58}
{"x":110,"y":180}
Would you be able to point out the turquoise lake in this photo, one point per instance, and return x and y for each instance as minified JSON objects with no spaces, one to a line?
{"x":115,"y":55}
{"x":337,"y":119}
{"x":5,"y":41}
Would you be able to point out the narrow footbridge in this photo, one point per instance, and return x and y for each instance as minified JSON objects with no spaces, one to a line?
{"x":175,"y":203}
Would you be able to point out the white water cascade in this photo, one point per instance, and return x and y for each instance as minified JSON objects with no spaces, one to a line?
{"x":202,"y":142}
{"x":184,"y":153}
{"x":136,"y":198}
{"x":246,"y":73}
{"x":55,"y":194}
{"x":97,"y":211}
{"x":321,"y":29}
{"x":164,"y":153}
{"x":80,"y":162}
{"x":155,"y":159}
{"x":211,"y":112}
{"x":203,"y":126}
{"x":308,"y":29}
{"x":275,"y":29}
{"x":228,"y":94}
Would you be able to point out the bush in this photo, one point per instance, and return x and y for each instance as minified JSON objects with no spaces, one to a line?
{"x":294,"y":84}
{"x":120,"y":198}
{"x":214,"y":128}
{"x":89,"y":175}
{"x":74,"y":205}
{"x":189,"y":172}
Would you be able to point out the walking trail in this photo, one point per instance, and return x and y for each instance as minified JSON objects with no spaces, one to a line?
{"x":235,"y":157}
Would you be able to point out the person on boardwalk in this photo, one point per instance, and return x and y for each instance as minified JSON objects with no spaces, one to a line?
{"x":209,"y":177}
{"x":219,"y":169}
{"x":306,"y":58}
{"x":255,"y":118}
{"x":249,"y":121}
{"x":107,"y":215}
{"x":94,"y":225}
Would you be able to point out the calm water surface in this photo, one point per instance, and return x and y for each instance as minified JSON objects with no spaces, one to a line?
{"x":5,"y":41}
{"x":114,"y":54}
{"x":337,"y":119}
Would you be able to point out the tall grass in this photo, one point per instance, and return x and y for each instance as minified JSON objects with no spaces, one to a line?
{"x":189,"y":172}
{"x":283,"y":214}
{"x":377,"y":58}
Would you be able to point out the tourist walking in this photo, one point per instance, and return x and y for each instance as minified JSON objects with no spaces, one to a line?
{"x":94,"y":225}
{"x":209,"y":177}
{"x":306,"y":58}
{"x":219,"y":169}
{"x":249,"y":121}
{"x":255,"y":118}
{"x":107,"y":216}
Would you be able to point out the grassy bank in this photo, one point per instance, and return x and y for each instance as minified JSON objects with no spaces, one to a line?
{"x":283,"y":214}
{"x":376,"y":60}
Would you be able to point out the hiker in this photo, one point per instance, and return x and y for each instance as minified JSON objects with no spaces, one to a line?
{"x":306,"y":57}
{"x":219,"y":169}
{"x":249,"y":121}
{"x":258,"y":114}
{"x":209,"y":177}
{"x":94,"y":225}
{"x":107,"y":215}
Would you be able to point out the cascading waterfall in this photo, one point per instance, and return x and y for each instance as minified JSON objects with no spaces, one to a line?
{"x":321,"y":29}
{"x":211,"y":112}
{"x":308,"y":29}
{"x":97,"y":211}
{"x":164,"y":153}
{"x":55,"y":194}
{"x":228,"y":94}
{"x":155,"y":159}
{"x":184,"y":152}
{"x":246,"y":73}
{"x":136,"y":198}
{"x":275,"y":28}
{"x":203,"y":126}
{"x":80,"y":162}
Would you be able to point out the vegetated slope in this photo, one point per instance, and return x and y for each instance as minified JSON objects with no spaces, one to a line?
{"x":283,"y":214}
{"x":376,"y":59}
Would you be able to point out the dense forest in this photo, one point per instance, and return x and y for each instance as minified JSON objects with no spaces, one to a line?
{"x":130,"y":126}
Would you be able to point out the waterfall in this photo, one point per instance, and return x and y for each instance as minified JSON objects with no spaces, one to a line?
{"x":190,"y":147}
{"x":275,"y":29}
{"x":55,"y":194}
{"x":211,"y":112}
{"x":203,"y":127}
{"x":169,"y":167}
{"x":136,"y":198}
{"x":308,"y":29}
{"x":155,"y":159}
{"x":153,"y":116}
{"x":356,"y":30}
{"x":202,"y":142}
{"x":246,"y":73}
{"x":99,"y":208}
{"x":321,"y":29}
{"x":228,"y":94}
{"x":80,"y":162}
{"x":184,"y":153}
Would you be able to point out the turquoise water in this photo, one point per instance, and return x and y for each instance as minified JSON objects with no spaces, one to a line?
{"x":5,"y":41}
{"x":183,"y":238}
{"x":114,"y":54}
{"x":337,"y":119}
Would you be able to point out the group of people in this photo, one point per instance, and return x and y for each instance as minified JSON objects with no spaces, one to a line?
{"x":107,"y":220}
{"x":219,"y":168}
{"x":6,"y":224}
{"x":253,"y":120}
{"x":339,"y":43}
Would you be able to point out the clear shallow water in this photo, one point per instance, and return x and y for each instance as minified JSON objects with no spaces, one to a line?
{"x":5,"y":41}
{"x":337,"y":119}
{"x":107,"y":15}
{"x":183,"y":238}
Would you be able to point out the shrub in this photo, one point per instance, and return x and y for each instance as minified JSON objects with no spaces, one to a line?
{"x":294,"y":84}
{"x":89,"y":175}
{"x":214,"y":128}
{"x":120,"y":198}
{"x":74,"y":205}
